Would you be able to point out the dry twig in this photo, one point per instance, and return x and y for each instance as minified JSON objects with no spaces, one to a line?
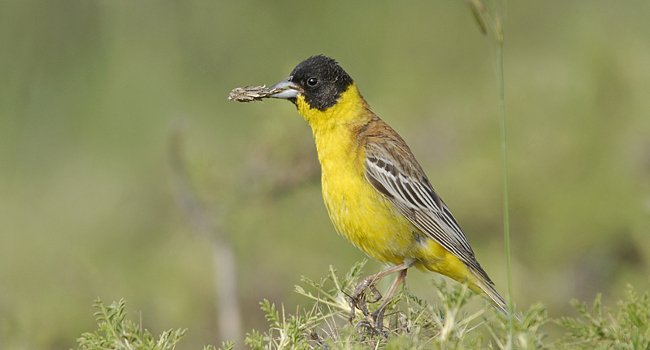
{"x":251,"y":93}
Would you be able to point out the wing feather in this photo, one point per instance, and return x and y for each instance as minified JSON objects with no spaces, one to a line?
{"x":393,"y":171}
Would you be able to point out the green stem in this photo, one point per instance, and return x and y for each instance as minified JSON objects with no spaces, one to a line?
{"x":504,"y":164}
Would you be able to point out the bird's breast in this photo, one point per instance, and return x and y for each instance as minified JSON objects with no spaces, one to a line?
{"x":359,"y":212}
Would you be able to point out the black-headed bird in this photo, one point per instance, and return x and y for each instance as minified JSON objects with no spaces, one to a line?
{"x":375,"y":191}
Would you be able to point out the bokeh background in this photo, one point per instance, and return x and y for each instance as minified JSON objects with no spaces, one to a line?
{"x":91,"y":92}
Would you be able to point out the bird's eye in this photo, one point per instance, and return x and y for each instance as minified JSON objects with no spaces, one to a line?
{"x":312,"y":82}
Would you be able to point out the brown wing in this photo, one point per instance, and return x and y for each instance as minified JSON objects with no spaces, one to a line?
{"x":393,"y":170}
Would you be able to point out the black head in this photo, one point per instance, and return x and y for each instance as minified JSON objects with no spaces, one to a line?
{"x":319,"y":79}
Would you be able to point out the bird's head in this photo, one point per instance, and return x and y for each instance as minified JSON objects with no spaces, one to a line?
{"x":318,"y":81}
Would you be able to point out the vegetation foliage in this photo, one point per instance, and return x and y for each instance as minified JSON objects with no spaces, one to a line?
{"x":324,"y":321}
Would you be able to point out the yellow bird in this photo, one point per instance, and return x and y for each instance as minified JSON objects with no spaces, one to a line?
{"x":376,"y":193}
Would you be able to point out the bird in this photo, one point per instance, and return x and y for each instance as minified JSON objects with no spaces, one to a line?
{"x":376,"y":193}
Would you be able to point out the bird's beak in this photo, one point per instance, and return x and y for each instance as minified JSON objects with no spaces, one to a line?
{"x":286,"y":89}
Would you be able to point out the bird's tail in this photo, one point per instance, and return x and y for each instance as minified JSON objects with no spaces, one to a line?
{"x":486,"y":287}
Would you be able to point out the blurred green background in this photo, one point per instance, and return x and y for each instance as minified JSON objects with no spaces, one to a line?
{"x":90,"y":92}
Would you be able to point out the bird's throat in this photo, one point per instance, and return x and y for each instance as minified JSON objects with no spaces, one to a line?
{"x":350,"y":108}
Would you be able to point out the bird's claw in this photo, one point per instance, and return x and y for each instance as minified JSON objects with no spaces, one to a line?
{"x":359,"y":300}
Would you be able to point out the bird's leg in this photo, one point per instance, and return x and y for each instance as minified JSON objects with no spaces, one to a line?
{"x":376,"y":295}
{"x":358,"y":297}
{"x":378,"y":315}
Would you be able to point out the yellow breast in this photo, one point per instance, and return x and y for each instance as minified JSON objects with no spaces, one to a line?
{"x":358,"y":211}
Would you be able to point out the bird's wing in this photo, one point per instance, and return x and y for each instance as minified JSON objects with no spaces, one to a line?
{"x":393,"y":170}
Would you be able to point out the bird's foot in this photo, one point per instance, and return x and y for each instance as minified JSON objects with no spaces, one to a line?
{"x":374,"y":321}
{"x":359,"y":298}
